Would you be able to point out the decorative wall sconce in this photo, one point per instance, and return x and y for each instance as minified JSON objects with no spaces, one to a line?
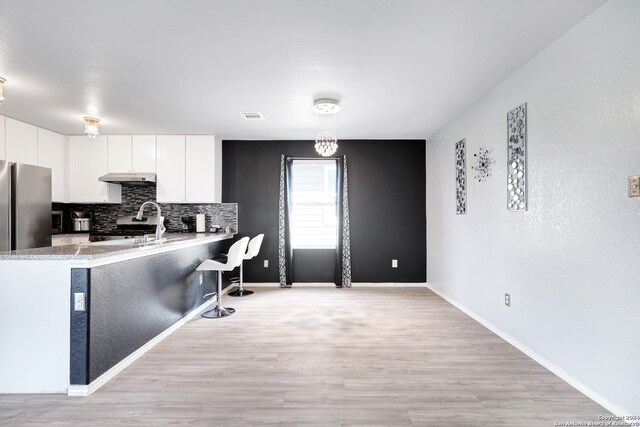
{"x":484,"y":160}
{"x":461,"y":177}
{"x":517,"y":159}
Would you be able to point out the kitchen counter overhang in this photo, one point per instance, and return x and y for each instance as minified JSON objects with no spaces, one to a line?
{"x":91,"y":253}
{"x":132,"y":295}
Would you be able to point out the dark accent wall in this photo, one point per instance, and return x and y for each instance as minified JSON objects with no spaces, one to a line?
{"x":130,"y":302}
{"x":386,"y":199}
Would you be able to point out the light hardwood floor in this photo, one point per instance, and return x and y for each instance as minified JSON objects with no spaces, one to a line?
{"x":323,"y":356}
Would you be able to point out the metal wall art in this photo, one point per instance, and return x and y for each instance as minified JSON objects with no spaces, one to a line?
{"x":461,"y":177}
{"x":517,"y":159}
{"x":484,"y":160}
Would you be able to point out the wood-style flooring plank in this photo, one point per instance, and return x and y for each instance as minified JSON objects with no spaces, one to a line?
{"x":327,"y":357}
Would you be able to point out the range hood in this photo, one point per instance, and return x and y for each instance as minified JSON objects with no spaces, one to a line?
{"x":132,"y":178}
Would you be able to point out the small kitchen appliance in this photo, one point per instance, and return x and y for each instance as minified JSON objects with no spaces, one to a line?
{"x":81,"y":221}
{"x":188,"y":224}
{"x":57,"y":225}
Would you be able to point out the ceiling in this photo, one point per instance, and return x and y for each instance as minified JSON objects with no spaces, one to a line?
{"x":400,"y":69}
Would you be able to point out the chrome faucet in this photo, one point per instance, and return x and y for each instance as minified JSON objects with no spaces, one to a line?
{"x":160,"y":229}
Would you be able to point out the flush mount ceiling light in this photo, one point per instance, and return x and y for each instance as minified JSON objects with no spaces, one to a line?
{"x":326,"y":141}
{"x":91,"y":127}
{"x":2,"y":82}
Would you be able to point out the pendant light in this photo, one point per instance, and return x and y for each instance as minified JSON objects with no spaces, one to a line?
{"x":2,"y":82}
{"x":326,"y":141}
{"x":91,"y":127}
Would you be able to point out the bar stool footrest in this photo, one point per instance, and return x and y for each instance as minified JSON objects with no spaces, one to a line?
{"x":218,"y":312}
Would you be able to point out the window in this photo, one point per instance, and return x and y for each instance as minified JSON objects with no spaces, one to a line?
{"x":313,"y":204}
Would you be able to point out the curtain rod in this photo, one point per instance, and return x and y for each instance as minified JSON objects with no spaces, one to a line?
{"x":312,"y":158}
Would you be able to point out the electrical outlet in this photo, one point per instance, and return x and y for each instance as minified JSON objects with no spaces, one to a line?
{"x":201,"y":279}
{"x":394,"y":263}
{"x":634,"y":186}
{"x":79,"y":302}
{"x":266,"y":263}
{"x":507,"y":300}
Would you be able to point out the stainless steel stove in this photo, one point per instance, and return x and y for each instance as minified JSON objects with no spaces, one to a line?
{"x":128,"y":227}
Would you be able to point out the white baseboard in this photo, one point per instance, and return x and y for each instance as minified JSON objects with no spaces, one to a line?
{"x":86,"y":390}
{"x":355,"y":285}
{"x":558,"y":371}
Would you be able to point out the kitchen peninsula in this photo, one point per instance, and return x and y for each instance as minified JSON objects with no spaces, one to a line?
{"x":73,"y":316}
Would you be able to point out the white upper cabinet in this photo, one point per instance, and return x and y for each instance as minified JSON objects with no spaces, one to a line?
{"x":22,"y":142}
{"x":3,"y":147}
{"x":52,"y":154}
{"x":170,"y":169}
{"x":186,"y":169}
{"x":119,"y":153}
{"x":135,"y":153}
{"x":88,"y":159}
{"x":200,"y":179}
{"x":143,"y":158}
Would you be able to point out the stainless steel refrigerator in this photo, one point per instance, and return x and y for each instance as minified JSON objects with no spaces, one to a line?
{"x":25,"y":206}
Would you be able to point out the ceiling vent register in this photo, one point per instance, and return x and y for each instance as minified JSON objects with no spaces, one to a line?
{"x":252,"y":116}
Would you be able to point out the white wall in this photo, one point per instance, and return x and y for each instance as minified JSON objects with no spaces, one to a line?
{"x":572,"y":261}
{"x":34,"y":327}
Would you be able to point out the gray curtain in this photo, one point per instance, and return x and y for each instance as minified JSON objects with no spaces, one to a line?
{"x":285,"y":252}
{"x":343,"y":248}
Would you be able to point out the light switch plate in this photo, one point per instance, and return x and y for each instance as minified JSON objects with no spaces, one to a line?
{"x":394,"y":263}
{"x":266,"y":263}
{"x":634,"y":186}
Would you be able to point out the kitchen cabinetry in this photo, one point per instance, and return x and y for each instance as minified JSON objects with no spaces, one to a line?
{"x":143,"y":153}
{"x":200,"y":180}
{"x":52,"y":154}
{"x":21,"y":141}
{"x":128,"y":153}
{"x":88,"y":160}
{"x":3,"y":147}
{"x":171,"y":169}
{"x":119,"y":153}
{"x":186,"y":169}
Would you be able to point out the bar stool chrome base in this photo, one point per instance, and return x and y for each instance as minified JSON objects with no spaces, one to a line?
{"x":240,"y":293}
{"x":218,"y":312}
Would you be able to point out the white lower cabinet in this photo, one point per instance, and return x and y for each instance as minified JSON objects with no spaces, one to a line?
{"x":88,"y":160}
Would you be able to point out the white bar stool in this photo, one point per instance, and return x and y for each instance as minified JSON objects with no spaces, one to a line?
{"x":234,"y":259}
{"x":252,"y":250}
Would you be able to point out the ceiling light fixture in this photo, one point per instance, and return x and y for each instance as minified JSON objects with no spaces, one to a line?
{"x":91,"y":127}
{"x":2,"y":82}
{"x":326,"y":141}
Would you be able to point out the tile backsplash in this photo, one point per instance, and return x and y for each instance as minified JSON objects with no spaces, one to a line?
{"x":105,"y":215}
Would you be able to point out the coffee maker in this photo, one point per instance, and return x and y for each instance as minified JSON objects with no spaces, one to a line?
{"x":188,"y":224}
